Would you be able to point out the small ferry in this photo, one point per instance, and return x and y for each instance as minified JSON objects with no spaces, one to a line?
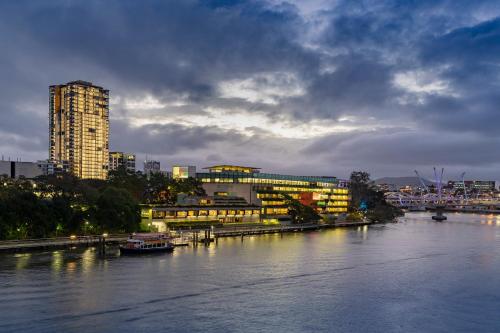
{"x":147,"y":243}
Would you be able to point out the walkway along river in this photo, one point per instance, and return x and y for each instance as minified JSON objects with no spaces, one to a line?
{"x":413,"y":276}
{"x":100,"y":240}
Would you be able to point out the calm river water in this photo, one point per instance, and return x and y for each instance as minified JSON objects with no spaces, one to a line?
{"x":413,"y":276}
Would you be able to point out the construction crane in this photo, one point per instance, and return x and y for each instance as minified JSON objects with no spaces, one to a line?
{"x":422,"y":182}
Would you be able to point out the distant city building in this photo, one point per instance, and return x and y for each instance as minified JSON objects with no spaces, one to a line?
{"x":16,"y":169}
{"x":151,"y":166}
{"x":79,"y":128}
{"x":478,"y":185}
{"x":182,"y":172}
{"x":120,"y":159}
{"x":51,"y":168}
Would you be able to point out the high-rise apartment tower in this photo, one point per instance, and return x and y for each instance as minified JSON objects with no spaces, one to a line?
{"x":79,"y":128}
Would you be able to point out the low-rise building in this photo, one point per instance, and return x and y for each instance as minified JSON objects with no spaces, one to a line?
{"x":16,"y":169}
{"x":470,"y":185}
{"x":163,"y":216}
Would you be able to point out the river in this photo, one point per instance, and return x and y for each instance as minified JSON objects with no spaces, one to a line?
{"x":413,"y":276}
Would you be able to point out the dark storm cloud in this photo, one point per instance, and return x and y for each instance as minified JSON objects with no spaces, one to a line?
{"x":346,"y":67}
{"x":170,"y":138}
{"x":471,"y":58}
{"x":358,"y":86}
{"x":180,"y":46}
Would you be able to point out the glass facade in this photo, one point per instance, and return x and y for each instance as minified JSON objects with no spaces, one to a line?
{"x":327,"y":195}
{"x":79,"y":128}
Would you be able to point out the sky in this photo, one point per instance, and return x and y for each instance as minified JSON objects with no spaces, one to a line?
{"x":298,"y":87}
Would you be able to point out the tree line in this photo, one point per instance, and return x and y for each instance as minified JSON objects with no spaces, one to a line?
{"x":369,"y":202}
{"x":61,"y":205}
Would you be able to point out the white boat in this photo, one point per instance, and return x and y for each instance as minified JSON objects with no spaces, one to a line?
{"x":147,"y":243}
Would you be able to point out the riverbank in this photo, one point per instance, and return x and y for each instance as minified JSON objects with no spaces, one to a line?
{"x":181,"y":237}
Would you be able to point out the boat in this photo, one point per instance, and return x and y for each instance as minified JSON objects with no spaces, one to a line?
{"x":147,"y":243}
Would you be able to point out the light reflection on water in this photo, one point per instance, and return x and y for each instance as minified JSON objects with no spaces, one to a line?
{"x":414,"y":276}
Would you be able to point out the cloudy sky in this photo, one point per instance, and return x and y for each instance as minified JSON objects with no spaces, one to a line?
{"x":302,"y":87}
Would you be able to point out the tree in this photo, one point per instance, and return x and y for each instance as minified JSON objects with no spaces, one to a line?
{"x":360,"y":188}
{"x":135,"y":183}
{"x":24,"y":215}
{"x":367,"y":199}
{"x":116,"y":211}
{"x":299,"y":212}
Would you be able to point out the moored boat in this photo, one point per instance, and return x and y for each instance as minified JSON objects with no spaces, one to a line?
{"x":147,"y":243}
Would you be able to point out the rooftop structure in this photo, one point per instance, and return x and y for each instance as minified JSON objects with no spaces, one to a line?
{"x":232,"y":168}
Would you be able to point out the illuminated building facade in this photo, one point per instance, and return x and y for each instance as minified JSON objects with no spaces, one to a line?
{"x":79,"y":128}
{"x":183,"y":172}
{"x":327,"y":195}
{"x":162,"y":217}
{"x":120,"y":159}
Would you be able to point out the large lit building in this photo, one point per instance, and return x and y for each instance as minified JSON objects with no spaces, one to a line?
{"x":79,"y":128}
{"x":120,"y":159}
{"x":327,"y":195}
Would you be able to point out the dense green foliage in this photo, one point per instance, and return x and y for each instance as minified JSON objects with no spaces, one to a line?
{"x":63,"y":205}
{"x":369,"y":202}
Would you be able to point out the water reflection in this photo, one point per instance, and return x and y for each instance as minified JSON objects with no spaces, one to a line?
{"x":23,"y":260}
{"x":88,"y":259}
{"x":417,"y":275}
{"x":57,"y":261}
